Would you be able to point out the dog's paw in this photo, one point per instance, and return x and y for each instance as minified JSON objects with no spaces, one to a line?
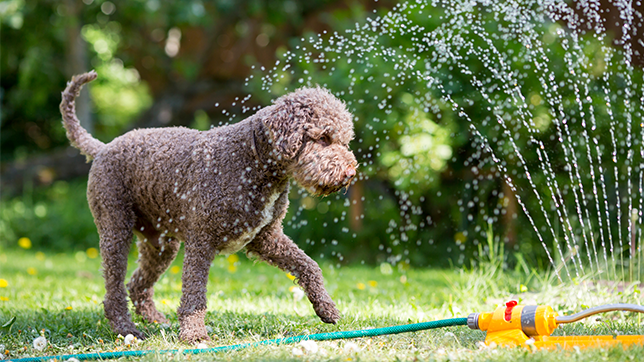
{"x":154,"y":316}
{"x":192,"y":328}
{"x":130,"y":329}
{"x":327,"y":312}
{"x":194,"y":336}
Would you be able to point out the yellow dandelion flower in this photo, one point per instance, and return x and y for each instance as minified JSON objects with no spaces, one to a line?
{"x":175,"y":269}
{"x":4,"y":299}
{"x":40,"y":256}
{"x":290,"y":276}
{"x":165,"y":301}
{"x":460,"y":238}
{"x":92,"y":253}
{"x":32,"y":271}
{"x":372,"y":283}
{"x":232,"y":268}
{"x":68,"y":308}
{"x":3,"y":283}
{"x":232,"y":258}
{"x":24,"y":243}
{"x":361,"y":286}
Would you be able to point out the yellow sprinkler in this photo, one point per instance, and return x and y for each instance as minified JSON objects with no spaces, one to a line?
{"x":532,"y":325}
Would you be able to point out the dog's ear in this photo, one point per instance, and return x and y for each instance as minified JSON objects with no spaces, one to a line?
{"x":286,"y":122}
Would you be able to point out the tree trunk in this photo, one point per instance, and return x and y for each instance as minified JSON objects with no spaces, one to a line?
{"x":509,"y":219}
{"x":356,"y":210}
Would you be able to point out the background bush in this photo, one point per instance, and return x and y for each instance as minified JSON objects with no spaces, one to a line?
{"x":428,"y":191}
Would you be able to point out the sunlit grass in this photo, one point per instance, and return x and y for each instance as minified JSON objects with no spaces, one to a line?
{"x":59,"y":297}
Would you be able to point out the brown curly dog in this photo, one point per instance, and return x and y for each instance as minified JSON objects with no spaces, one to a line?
{"x":218,"y":191}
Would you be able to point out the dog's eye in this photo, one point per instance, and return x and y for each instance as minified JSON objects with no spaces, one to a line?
{"x":325,"y":140}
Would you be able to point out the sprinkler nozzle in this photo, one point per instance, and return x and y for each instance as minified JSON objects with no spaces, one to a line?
{"x":515,"y":325}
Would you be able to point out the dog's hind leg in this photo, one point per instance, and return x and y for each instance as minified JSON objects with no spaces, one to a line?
{"x":155,"y":255}
{"x":277,"y":249}
{"x":114,"y":220}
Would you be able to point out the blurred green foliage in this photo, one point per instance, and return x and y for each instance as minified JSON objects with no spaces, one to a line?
{"x":429,"y":114}
{"x":54,"y":218}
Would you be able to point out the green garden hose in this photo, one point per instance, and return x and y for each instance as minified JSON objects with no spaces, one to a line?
{"x":279,"y":341}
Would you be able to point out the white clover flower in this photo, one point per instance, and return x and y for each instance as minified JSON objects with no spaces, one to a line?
{"x":298,"y":294}
{"x":309,"y":346}
{"x":350,"y":348}
{"x":130,"y":340}
{"x":202,"y":346}
{"x":40,"y":343}
{"x":297,"y":352}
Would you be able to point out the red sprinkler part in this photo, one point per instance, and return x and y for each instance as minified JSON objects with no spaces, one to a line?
{"x":531,"y":325}
{"x":508,"y":309}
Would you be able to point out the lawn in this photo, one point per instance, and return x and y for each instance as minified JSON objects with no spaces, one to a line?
{"x":58,"y":296}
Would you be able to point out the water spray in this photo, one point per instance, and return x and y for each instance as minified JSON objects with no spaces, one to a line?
{"x":511,"y":325}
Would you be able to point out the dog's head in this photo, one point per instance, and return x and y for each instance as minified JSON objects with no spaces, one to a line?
{"x":311,"y":130}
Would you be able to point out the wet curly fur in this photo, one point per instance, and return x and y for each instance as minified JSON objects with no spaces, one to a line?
{"x":218,"y":191}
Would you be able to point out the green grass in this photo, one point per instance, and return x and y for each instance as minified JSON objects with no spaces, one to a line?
{"x":59,"y":296}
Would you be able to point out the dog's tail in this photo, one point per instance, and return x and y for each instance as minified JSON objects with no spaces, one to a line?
{"x":78,"y":136}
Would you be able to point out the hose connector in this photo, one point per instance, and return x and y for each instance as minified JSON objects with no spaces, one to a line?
{"x":480,"y":321}
{"x":473,"y":321}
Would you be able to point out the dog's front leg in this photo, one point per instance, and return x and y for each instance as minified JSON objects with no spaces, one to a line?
{"x":277,"y":249}
{"x":192,"y":310}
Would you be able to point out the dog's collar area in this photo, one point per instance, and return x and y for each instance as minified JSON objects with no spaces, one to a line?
{"x":267,"y":160}
{"x":258,"y":141}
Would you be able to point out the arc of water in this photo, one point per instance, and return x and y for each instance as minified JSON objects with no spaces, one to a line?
{"x":513,"y":93}
{"x":544,"y":165}
{"x":566,"y":142}
{"x":591,"y":11}
{"x":563,"y":131}
{"x":608,"y":56}
{"x":498,"y":162}
{"x":574,"y":66}
{"x":510,"y":183}
{"x":565,"y":219}
{"x":594,"y":16}
{"x":626,"y":14}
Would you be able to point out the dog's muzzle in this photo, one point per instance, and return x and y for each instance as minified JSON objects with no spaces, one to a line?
{"x":350,"y":173}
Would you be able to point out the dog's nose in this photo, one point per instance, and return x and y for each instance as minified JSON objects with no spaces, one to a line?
{"x":350,"y":172}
